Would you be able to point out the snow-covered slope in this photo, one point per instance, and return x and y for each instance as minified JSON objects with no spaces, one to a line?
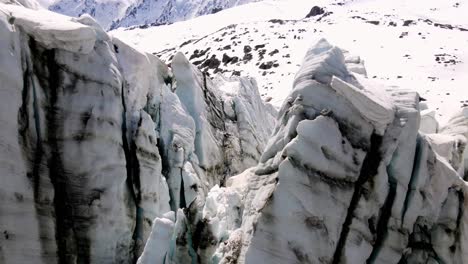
{"x":419,"y":45}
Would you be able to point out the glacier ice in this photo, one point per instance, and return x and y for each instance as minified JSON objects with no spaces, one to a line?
{"x":108,"y":155}
{"x":100,"y":142}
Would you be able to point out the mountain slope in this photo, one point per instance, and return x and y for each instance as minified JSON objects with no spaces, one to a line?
{"x":157,"y":12}
{"x":104,"y":11}
{"x":126,"y":13}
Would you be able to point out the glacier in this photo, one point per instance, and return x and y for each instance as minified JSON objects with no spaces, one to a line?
{"x":110,"y":155}
{"x":98,"y":142}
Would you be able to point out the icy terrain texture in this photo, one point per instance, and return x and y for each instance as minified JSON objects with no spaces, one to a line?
{"x":99,"y":139}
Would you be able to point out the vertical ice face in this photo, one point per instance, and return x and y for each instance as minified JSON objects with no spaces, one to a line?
{"x":193,"y":90}
{"x":91,"y":169}
{"x":18,"y":212}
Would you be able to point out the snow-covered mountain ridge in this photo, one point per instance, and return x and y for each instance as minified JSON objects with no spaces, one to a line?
{"x":112,"y":14}
{"x":105,"y":12}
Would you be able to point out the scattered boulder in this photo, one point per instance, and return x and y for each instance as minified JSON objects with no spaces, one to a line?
{"x":216,"y":10}
{"x":315,"y":11}
{"x":268,"y":65}
{"x":226,"y":59}
{"x":273,"y":52}
{"x":373,"y":22}
{"x":261,"y":54}
{"x":407,"y":23}
{"x":260,"y":46}
{"x":197,"y":53}
{"x":247,"y":57}
{"x":276,"y":21}
{"x":211,"y":63}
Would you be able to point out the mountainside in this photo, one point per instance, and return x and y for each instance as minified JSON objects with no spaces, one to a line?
{"x":156,"y":12}
{"x":419,"y":45}
{"x":117,"y":13}
{"x":104,"y":11}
